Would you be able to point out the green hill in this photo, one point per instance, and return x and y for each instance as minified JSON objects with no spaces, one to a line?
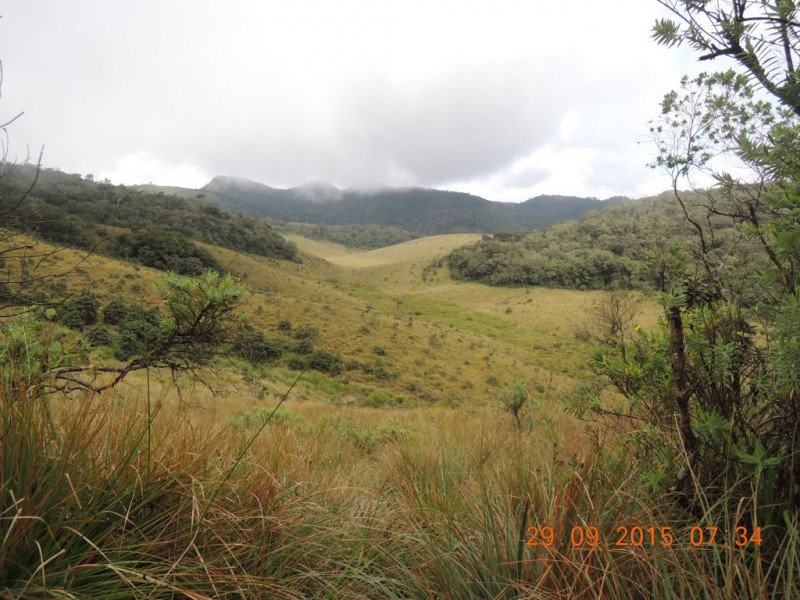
{"x":148,"y":227}
{"x":621,"y":246}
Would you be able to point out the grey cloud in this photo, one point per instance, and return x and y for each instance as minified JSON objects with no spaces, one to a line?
{"x":525,"y":178}
{"x":615,"y":172}
{"x":202,"y":87}
{"x":465,"y":124}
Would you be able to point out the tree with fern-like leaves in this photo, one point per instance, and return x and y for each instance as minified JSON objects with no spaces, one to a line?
{"x":716,"y":390}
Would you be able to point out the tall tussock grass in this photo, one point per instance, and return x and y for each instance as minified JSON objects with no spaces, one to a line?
{"x":480,"y":548}
{"x":89,"y":510}
{"x":100,"y":498}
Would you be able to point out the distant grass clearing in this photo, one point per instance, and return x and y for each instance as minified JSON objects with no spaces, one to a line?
{"x":427,"y":247}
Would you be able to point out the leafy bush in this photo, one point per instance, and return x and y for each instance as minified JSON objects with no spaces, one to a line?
{"x":255,"y":348}
{"x":305,"y":346}
{"x":128,"y":346}
{"x":99,"y":336}
{"x":30,"y":350}
{"x":164,"y":250}
{"x":296,"y":363}
{"x":144,"y":325}
{"x":326,"y":362}
{"x":516,"y":400}
{"x":79,"y":310}
{"x":306,"y":332}
{"x":115,"y":311}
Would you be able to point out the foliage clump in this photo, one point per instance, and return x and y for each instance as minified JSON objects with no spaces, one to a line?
{"x":79,"y":311}
{"x":164,"y":250}
{"x":99,"y":336}
{"x":621,"y":247}
{"x":256,"y":348}
{"x":160,"y":229}
{"x":327,"y":362}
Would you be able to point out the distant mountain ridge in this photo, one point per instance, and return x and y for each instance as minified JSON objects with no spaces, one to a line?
{"x":422,"y":211}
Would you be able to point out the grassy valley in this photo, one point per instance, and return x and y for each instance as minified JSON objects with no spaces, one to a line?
{"x":426,"y":362}
{"x":241,"y":391}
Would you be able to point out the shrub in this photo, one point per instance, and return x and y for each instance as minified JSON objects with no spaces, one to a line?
{"x":326,"y":362}
{"x":71,"y":319}
{"x":377,"y":398}
{"x":255,"y":348}
{"x":79,"y":310}
{"x":115,"y":311}
{"x":515,"y":400}
{"x":99,"y":336}
{"x":296,"y":363}
{"x":128,"y":346}
{"x":164,"y":250}
{"x":143,"y":324}
{"x":306,"y":332}
{"x":305,"y":346}
{"x":382,"y":371}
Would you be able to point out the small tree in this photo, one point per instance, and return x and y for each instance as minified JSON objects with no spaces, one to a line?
{"x":611,"y":319}
{"x":727,"y":395}
{"x":516,"y":401}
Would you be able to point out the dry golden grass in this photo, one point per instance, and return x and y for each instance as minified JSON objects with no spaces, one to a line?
{"x":321,"y":248}
{"x":422,"y":248}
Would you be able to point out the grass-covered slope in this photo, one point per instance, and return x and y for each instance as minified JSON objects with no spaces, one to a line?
{"x":428,"y":247}
{"x":378,"y":328}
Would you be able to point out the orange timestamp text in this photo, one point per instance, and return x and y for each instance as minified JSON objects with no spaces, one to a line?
{"x":635,"y":536}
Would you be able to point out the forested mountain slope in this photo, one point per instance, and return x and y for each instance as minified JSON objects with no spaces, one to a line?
{"x":153,"y":229}
{"x":418,"y":211}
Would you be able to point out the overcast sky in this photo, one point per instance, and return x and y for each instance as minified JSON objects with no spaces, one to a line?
{"x":503,"y":99}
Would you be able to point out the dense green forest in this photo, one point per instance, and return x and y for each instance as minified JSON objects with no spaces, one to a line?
{"x":153,"y":229}
{"x":366,"y":237}
{"x":624,"y":246}
{"x":419,"y":211}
